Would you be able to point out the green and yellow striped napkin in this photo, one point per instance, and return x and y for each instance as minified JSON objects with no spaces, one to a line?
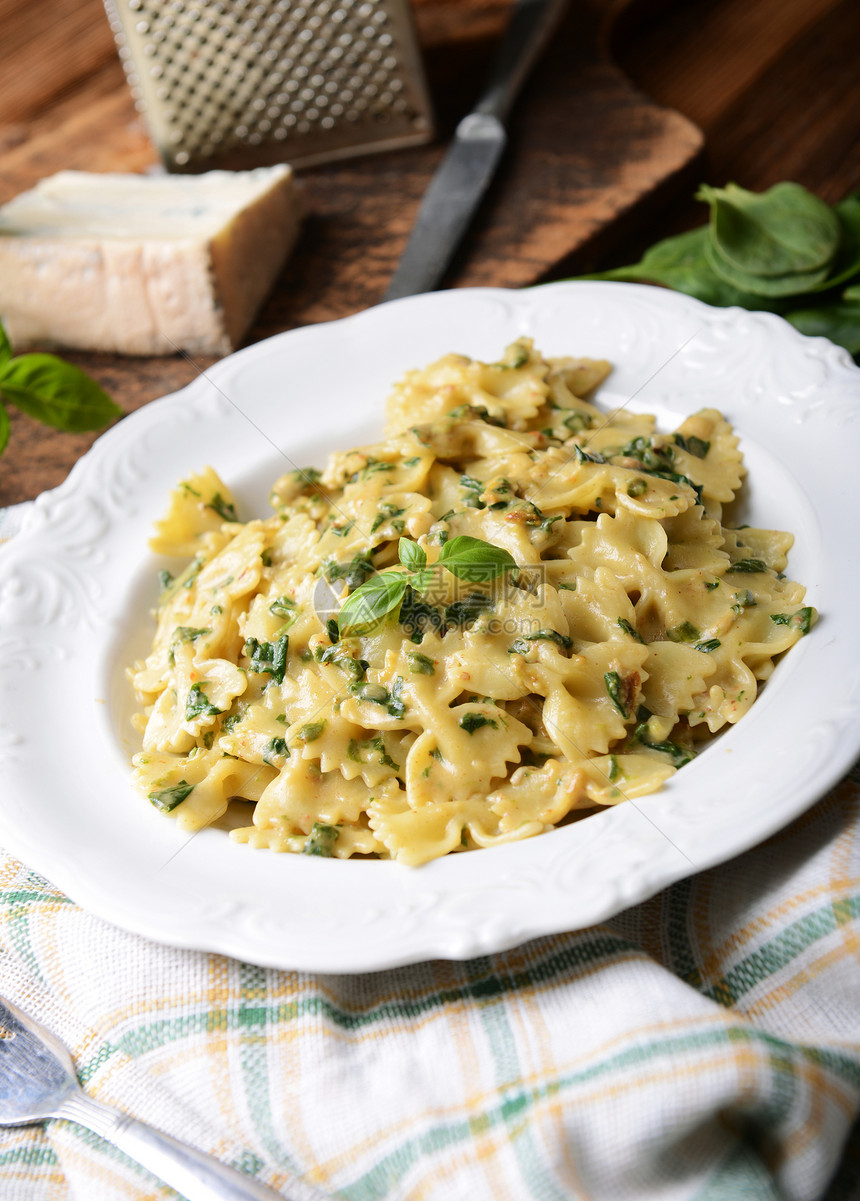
{"x":703,"y":1046}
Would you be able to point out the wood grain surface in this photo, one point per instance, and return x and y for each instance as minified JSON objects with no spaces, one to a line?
{"x":633,"y":105}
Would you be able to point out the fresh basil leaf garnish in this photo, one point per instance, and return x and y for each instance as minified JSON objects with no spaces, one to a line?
{"x":56,"y":393}
{"x":474,"y":560}
{"x":372,"y":602}
{"x":411,"y":555}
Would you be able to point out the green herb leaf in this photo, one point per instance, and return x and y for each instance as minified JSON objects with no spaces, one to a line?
{"x":463,"y":612}
{"x":197,"y":704}
{"x":354,"y":573}
{"x":747,"y":567}
{"x":743,"y":600}
{"x":368,"y":691}
{"x":372,"y":602}
{"x":421,"y":580}
{"x":420,"y":664}
{"x":762,"y":285}
{"x":680,"y":262}
{"x":284,"y":606}
{"x":519,"y":358}
{"x":781,"y":232}
{"x":474,"y":560}
{"x":411,"y":555}
{"x":340,"y":657}
{"x":685,"y":632}
{"x":561,"y":640}
{"x":758,"y":251}
{"x":698,"y":447}
{"x":840,"y":322}
{"x":168,"y":798}
{"x":225,"y":509}
{"x":5,"y":346}
{"x":321,"y":840}
{"x":396,"y":704}
{"x":311,"y":731}
{"x":584,"y":456}
{"x":847,"y":262}
{"x":470,"y":722}
{"x":269,"y":657}
{"x":709,"y":645}
{"x":372,"y":746}
{"x":617,"y":692}
{"x":801,"y":620}
{"x":275,"y":748}
{"x":676,"y":753}
{"x":56,"y":393}
{"x":187,"y":634}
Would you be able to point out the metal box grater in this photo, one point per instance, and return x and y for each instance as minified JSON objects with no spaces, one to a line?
{"x":239,"y":83}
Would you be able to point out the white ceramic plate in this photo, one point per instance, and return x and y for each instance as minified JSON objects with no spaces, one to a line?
{"x":78,"y":584}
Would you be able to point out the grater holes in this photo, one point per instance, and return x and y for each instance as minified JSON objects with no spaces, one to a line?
{"x":253,"y":71}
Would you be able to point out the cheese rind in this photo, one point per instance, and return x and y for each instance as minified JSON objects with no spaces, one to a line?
{"x":144,"y":265}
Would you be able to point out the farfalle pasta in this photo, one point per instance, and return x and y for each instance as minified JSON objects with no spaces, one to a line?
{"x":629,"y":625}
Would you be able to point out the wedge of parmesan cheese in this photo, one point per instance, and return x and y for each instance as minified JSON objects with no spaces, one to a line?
{"x":143,"y":264}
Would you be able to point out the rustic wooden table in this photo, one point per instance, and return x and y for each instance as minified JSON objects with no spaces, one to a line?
{"x":634,"y":104}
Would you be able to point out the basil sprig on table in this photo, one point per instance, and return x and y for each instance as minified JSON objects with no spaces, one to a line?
{"x":469,"y":559}
{"x":784,"y":251}
{"x":52,"y":391}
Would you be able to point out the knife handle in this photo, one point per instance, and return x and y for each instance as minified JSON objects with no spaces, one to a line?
{"x":531,"y":23}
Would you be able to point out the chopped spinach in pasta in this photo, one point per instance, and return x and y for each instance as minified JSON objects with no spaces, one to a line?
{"x":513,"y":610}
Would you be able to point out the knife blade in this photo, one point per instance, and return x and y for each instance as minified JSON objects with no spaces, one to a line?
{"x":463,"y":175}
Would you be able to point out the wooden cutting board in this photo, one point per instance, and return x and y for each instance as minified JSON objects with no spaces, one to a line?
{"x":588,"y":154}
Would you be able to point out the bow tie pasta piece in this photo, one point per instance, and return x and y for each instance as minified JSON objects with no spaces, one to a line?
{"x":319,"y":813}
{"x":516,"y":608}
{"x":197,"y":788}
{"x":511,"y":391}
{"x":198,"y":506}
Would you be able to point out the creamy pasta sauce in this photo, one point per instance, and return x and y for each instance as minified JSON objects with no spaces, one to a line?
{"x":629,"y":624}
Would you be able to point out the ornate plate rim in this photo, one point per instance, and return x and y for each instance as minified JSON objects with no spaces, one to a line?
{"x":73,"y":576}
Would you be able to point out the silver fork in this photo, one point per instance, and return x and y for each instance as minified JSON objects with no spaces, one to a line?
{"x":37,"y":1082}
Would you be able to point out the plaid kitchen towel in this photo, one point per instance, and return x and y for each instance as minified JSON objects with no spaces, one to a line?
{"x":704,"y":1045}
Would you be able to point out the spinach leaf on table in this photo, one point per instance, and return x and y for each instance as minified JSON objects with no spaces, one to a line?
{"x":785,"y":231}
{"x":839,"y":322}
{"x":782,"y":251}
{"x":52,"y":391}
{"x":680,"y":263}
